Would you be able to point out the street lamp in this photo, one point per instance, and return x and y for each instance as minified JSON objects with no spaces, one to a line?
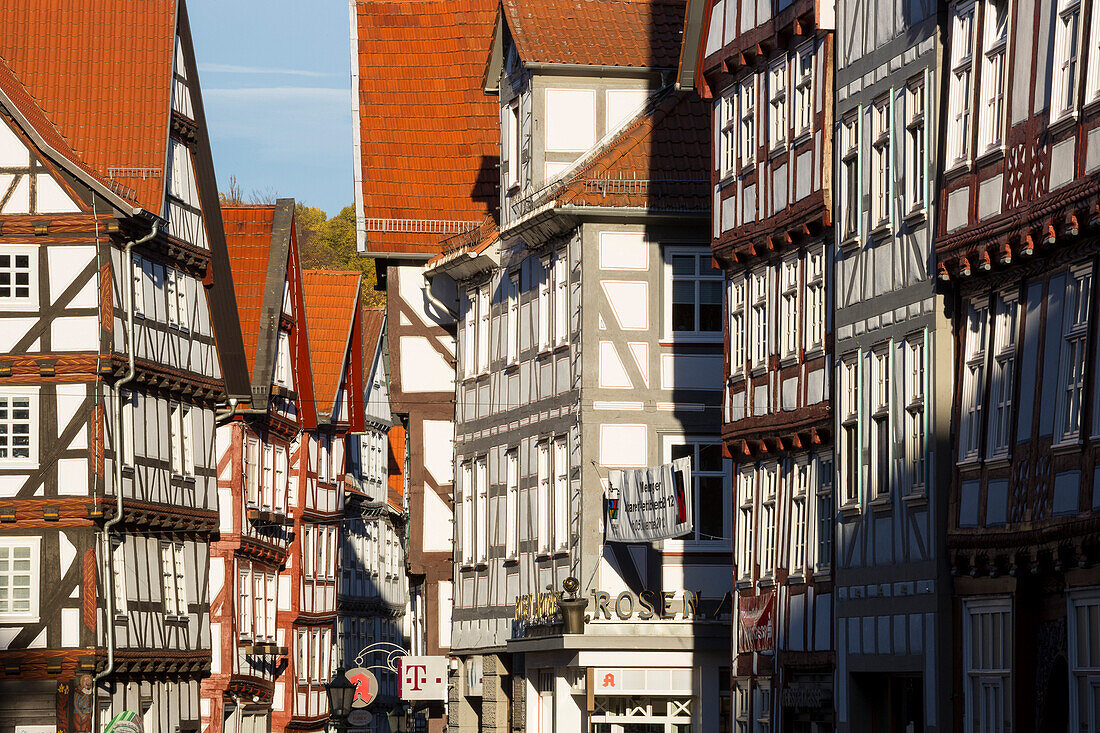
{"x":340,"y":694}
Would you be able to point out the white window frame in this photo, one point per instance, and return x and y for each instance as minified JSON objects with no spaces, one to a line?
{"x":1084,"y":669}
{"x":814,"y":307}
{"x":736,"y":293}
{"x":799,"y":484}
{"x":725,"y":117}
{"x":544,"y":304}
{"x":987,"y":677}
{"x":1006,"y":322}
{"x":484,"y":312}
{"x":128,"y":399}
{"x":543,"y":497}
{"x":118,"y":573}
{"x":747,"y":133}
{"x":1092,"y":58}
{"x":34,"y":546}
{"x":280,"y":488}
{"x":695,"y":444}
{"x":850,"y":462}
{"x":778,"y":124}
{"x":972,"y":404}
{"x":182,"y":439}
{"x":513,"y":324}
{"x":789,"y":307}
{"x":512,"y":164}
{"x":174,"y":579}
{"x":746,"y":521}
{"x":704,"y":273}
{"x":851,"y":207}
{"x":252,"y":470}
{"x":11,"y":398}
{"x":994,"y":78}
{"x":916,"y":144}
{"x":137,"y":285}
{"x":916,"y":427}
{"x":245,"y":597}
{"x":561,"y":298}
{"x":1066,"y":66}
{"x":882,"y":428}
{"x":563,"y":508}
{"x":769,"y":493}
{"x":964,"y":29}
{"x":881,"y":164}
{"x":1074,"y":361}
{"x":804,"y":89}
{"x":267,"y":488}
{"x":481,"y":510}
{"x":759,"y":318}
{"x":466,"y":492}
{"x":511,"y":505}
{"x":12,"y":265}
{"x":469,"y":338}
{"x":762,"y":707}
{"x":822,"y":479}
{"x":740,"y":712}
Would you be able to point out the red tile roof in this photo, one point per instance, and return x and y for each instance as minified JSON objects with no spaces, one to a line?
{"x":331,"y":299}
{"x":248,"y":239}
{"x":660,"y":161}
{"x":429,"y":137}
{"x":101,"y":72}
{"x":636,"y":33}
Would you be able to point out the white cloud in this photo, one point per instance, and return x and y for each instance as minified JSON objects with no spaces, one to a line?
{"x":234,"y":69}
{"x":281,"y":94}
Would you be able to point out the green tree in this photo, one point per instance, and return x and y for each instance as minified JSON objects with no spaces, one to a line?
{"x":329,"y":244}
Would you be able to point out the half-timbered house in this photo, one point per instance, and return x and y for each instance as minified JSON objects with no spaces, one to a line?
{"x":589,"y":339}
{"x":410,"y":195}
{"x":372,"y":596}
{"x":255,"y":440}
{"x":334,"y":407}
{"x":1017,"y":247}
{"x":767,"y":69}
{"x":893,"y":356}
{"x":115,"y":282}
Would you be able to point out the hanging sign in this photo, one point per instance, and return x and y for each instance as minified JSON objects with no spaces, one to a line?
{"x":366,"y":686}
{"x":422,"y":678}
{"x":756,"y":623}
{"x":648,"y":504}
{"x":124,"y":722}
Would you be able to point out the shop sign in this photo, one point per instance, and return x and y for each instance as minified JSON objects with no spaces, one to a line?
{"x":422,"y":678}
{"x":366,"y":686}
{"x":640,"y":681}
{"x":649,"y":504}
{"x":756,"y":623}
{"x":538,"y":608}
{"x":645,"y":606}
{"x":360,"y":718}
{"x":806,"y":695}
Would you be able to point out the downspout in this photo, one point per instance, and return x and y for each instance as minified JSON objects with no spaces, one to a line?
{"x":109,"y":587}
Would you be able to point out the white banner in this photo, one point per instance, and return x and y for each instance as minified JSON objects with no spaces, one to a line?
{"x":648,"y":504}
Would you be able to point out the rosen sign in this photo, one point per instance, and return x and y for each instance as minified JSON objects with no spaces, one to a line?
{"x":756,"y":623}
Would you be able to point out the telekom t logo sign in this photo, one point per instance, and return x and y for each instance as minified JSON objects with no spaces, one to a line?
{"x":423,"y":678}
{"x":415,"y":676}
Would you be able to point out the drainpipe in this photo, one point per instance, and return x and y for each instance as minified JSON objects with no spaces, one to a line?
{"x":109,"y":586}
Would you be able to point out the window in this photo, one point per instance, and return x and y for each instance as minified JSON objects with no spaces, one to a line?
{"x":128,"y":399}
{"x":788,"y":304}
{"x":301,"y":656}
{"x":543,"y":498}
{"x":137,"y":283}
{"x":268,"y":477}
{"x":118,"y":571}
{"x":769,"y":479}
{"x":815,"y":299}
{"x":467,"y":491}
{"x":849,"y":430}
{"x":252,"y":470}
{"x":280,"y":479}
{"x":880,"y":154}
{"x":880,"y":425}
{"x":182,"y":436}
{"x":561,"y":299}
{"x":747,"y":103}
{"x":16,"y":429}
{"x":19,"y":578}
{"x":481,"y":510}
{"x":849,"y":174}
{"x":1066,"y":50}
{"x":915,"y":428}
{"x":746,"y":489}
{"x":511,"y":506}
{"x":823,"y":480}
{"x":960,"y":83}
{"x":977,"y":323}
{"x":995,"y":45}
{"x":804,"y":91}
{"x":987,"y":659}
{"x":324,"y":451}
{"x":176,"y":294}
{"x":244,"y":610}
{"x":513,"y":319}
{"x":469,"y":347}
{"x":758,"y":314}
{"x":916,"y":144}
{"x":726,"y":118}
{"x":173,"y":576}
{"x":696,"y":294}
{"x":282,"y":360}
{"x":1084,"y":660}
{"x":511,"y":146}
{"x":544,"y":304}
{"x":736,"y":288}
{"x":1002,"y":383}
{"x":762,"y":708}
{"x":799,"y":482}
{"x":483,"y":314}
{"x":709,"y":487}
{"x":15,"y":277}
{"x":777,"y":105}
{"x":741,"y":707}
{"x":1092,"y":92}
{"x":1075,"y":316}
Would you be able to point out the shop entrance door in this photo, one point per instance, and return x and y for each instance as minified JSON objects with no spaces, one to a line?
{"x":641,"y":715}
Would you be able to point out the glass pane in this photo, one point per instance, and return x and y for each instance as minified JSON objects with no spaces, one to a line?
{"x":683,"y":264}
{"x":709,"y":514}
{"x":710,"y":291}
{"x":682,"y":451}
{"x":683,"y":316}
{"x":683,"y":291}
{"x":710,"y":317}
{"x":710,"y":458}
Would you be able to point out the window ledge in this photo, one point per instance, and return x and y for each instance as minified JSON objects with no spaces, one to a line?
{"x":1072,"y":445}
{"x":466,"y":567}
{"x":957,"y":168}
{"x":849,"y":240}
{"x":1001,"y":460}
{"x":777,"y":150}
{"x":743,"y":584}
{"x":765,"y":583}
{"x":822,"y":574}
{"x":788,"y":360}
{"x":849,"y":511}
{"x":726,"y":179}
{"x":510,"y":561}
{"x":881,"y":229}
{"x":916,"y":216}
{"x":803,"y":137}
{"x":916,"y":499}
{"x":703,"y":338}
{"x":881,"y":504}
{"x":974,"y":461}
{"x":990,"y":155}
{"x":1062,"y":123}
{"x":796,"y":579}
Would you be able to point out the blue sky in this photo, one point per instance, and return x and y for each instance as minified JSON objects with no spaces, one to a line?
{"x":276,"y":80}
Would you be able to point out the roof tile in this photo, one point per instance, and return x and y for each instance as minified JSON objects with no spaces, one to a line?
{"x":331,"y":298}
{"x":248,"y":237}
